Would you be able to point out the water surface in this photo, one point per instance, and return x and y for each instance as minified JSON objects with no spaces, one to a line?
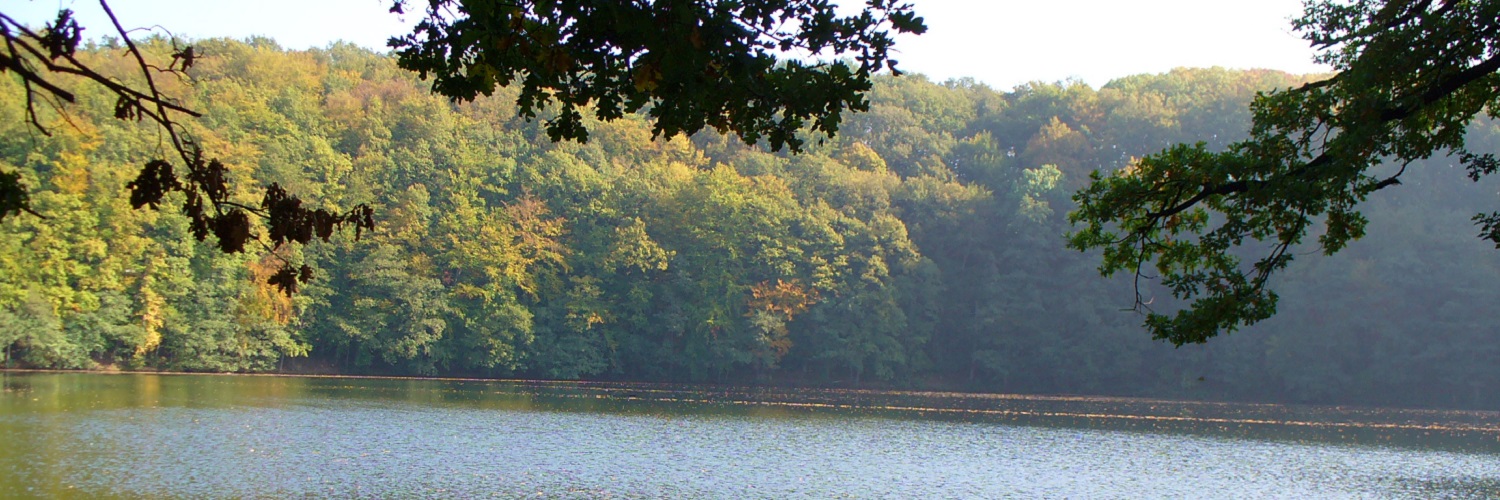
{"x":179,"y":436}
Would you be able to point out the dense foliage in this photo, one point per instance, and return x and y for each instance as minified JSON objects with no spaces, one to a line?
{"x":689,"y":64}
{"x":1411,"y":76}
{"x":921,"y":247}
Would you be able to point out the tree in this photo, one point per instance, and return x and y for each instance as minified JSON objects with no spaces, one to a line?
{"x":1410,"y":77}
{"x":47,"y":60}
{"x":695,"y":63}
{"x":501,"y":253}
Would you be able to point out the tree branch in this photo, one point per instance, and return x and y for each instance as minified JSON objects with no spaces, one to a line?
{"x":1444,"y":89}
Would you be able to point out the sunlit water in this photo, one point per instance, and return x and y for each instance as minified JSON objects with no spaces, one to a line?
{"x":87,"y":436}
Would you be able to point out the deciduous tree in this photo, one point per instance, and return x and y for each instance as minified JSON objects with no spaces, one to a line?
{"x":693,"y":63}
{"x":1411,"y":76}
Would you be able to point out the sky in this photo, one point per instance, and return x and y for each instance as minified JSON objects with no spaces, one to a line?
{"x":1002,"y":43}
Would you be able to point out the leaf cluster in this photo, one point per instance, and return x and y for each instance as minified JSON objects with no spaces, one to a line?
{"x":691,"y":64}
{"x":1412,"y":75}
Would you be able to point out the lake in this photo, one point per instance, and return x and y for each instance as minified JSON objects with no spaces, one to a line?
{"x":75,"y":435}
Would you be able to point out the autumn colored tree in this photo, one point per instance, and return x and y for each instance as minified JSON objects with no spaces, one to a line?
{"x":698,"y":64}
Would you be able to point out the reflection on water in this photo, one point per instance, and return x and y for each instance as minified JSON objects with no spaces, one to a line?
{"x":86,"y":436}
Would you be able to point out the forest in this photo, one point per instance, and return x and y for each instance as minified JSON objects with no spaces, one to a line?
{"x":921,"y":247}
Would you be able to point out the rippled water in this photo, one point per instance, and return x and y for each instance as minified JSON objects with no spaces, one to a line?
{"x":87,"y":436}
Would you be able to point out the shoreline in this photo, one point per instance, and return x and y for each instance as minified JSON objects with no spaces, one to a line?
{"x":929,"y":393}
{"x":751,"y":386}
{"x":1126,"y":413}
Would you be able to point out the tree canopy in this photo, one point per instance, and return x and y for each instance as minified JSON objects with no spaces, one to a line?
{"x":913,"y":249}
{"x":696,"y":64}
{"x":47,"y":61}
{"x":1411,"y":75}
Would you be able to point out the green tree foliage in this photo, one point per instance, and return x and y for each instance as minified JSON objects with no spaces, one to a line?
{"x":1411,"y":75}
{"x":924,"y":253}
{"x":47,"y":63}
{"x":689,"y":64}
{"x":695,"y":63}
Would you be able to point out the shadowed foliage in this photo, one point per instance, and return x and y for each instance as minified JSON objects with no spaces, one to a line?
{"x":1411,"y":75}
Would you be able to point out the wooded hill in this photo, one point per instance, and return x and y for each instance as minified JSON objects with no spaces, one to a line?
{"x":921,"y":247}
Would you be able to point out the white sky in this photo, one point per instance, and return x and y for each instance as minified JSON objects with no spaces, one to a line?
{"x":1001,"y":43}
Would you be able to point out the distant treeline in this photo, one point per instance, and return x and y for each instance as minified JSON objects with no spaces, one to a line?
{"x":921,"y":247}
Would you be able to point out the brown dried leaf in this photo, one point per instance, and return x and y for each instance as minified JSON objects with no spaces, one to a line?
{"x":233,"y":230}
